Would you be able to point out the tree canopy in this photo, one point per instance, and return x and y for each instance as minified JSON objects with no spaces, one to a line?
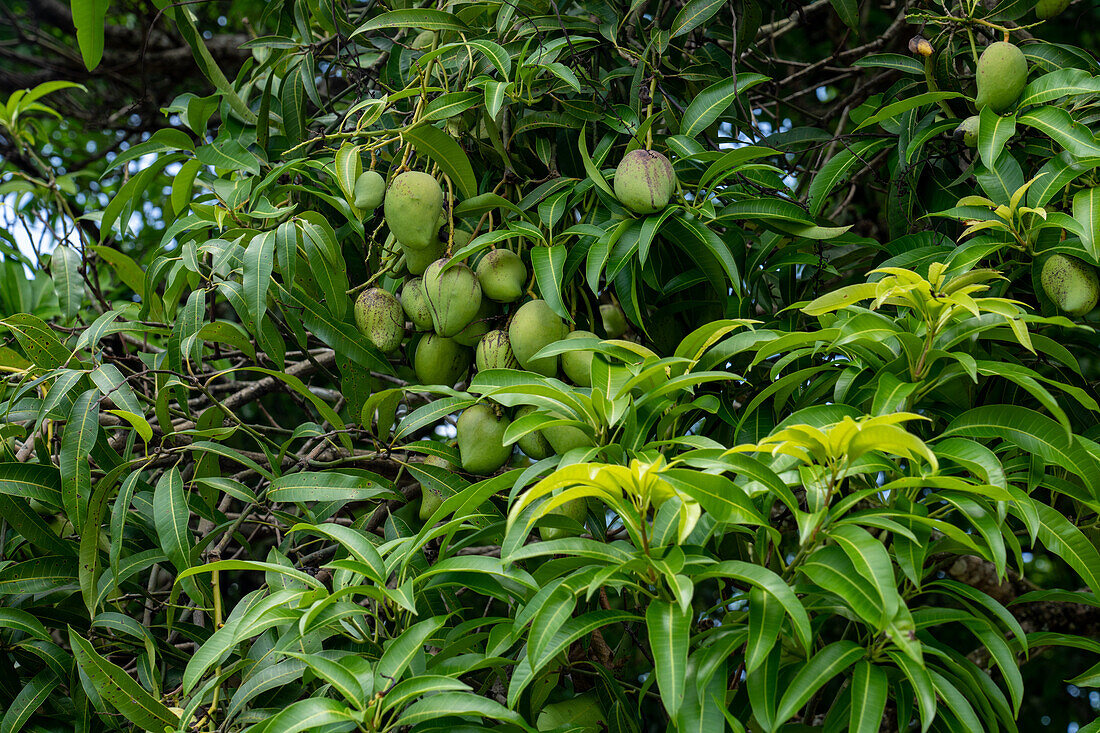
{"x":549,"y":365}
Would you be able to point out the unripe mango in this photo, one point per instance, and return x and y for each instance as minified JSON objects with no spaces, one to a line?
{"x":415,"y":304}
{"x":414,"y":202}
{"x":380,"y":318}
{"x":1070,"y":283}
{"x":1047,"y":9}
{"x":564,"y":438}
{"x":370,"y":187}
{"x":534,"y":326}
{"x":1001,"y":76}
{"x":481,"y":325}
{"x":502,"y":275}
{"x":968,"y":131}
{"x":577,"y":510}
{"x":534,"y":445}
{"x":577,"y":364}
{"x":423,"y":40}
{"x":481,"y":440}
{"x":644,"y":181}
{"x":614,"y":321}
{"x":494,"y":351}
{"x":433,"y":495}
{"x":454,"y":296}
{"x":582,"y":713}
{"x":439,"y":360}
{"x":417,"y":260}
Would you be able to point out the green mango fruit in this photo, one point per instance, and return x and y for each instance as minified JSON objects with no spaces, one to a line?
{"x":494,"y":351}
{"x":968,"y":131}
{"x":439,"y":360}
{"x":534,"y":326}
{"x":380,"y":318}
{"x":564,"y":438}
{"x":644,"y":181}
{"x":534,"y":445}
{"x":432,"y":496}
{"x":577,"y":510}
{"x":415,"y":304}
{"x":582,"y":714}
{"x":454,"y":296}
{"x":614,"y":321}
{"x":577,"y":364}
{"x":417,"y":260}
{"x":502,"y":275}
{"x":1070,"y":283}
{"x":1001,"y":76}
{"x":370,"y":188}
{"x":481,"y":440}
{"x":423,"y":40}
{"x":481,"y":325}
{"x":1047,"y":9}
{"x":413,"y":204}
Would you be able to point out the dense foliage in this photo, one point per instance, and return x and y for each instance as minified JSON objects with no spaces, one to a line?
{"x":294,"y":437}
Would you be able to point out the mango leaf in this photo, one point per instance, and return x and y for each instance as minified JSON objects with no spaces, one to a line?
{"x":994,"y":131}
{"x":89,"y":17}
{"x":119,"y":689}
{"x":869,"y":690}
{"x":826,"y":664}
{"x":1086,"y":210}
{"x":325,"y":486}
{"x":709,"y":105}
{"x":419,"y":18}
{"x":693,"y":15}
{"x":444,"y":152}
{"x":548,"y":264}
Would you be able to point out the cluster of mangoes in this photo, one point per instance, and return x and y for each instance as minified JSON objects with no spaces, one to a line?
{"x":484,"y":313}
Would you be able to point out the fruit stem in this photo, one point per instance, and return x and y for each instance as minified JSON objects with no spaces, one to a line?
{"x":649,"y":113}
{"x":450,"y":217}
